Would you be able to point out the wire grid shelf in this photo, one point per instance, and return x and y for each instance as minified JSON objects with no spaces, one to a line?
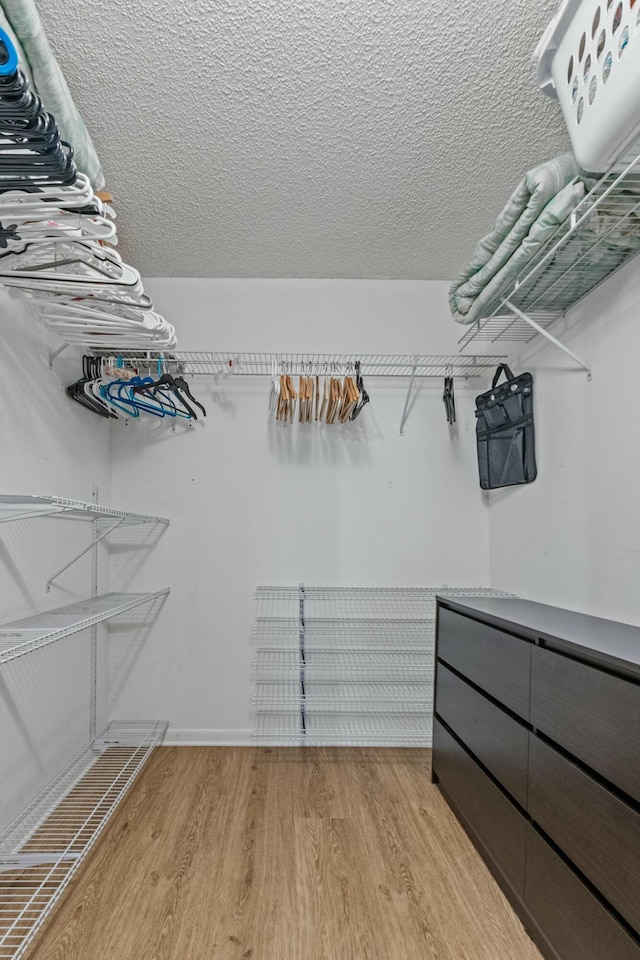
{"x":43,"y":848}
{"x":380,"y":695}
{"x":209,"y":363}
{"x":20,"y":637}
{"x":601,"y":234}
{"x":366,"y":729}
{"x":409,"y":604}
{"x":347,"y":664}
{"x":345,"y":627}
{"x":331,"y":664}
{"x":24,"y":507}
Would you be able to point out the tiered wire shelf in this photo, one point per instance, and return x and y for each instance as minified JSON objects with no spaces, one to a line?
{"x":44,"y":846}
{"x":41,"y":851}
{"x":20,"y":637}
{"x":601,"y":234}
{"x":347,"y":665}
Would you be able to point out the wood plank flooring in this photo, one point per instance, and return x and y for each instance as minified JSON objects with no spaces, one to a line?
{"x":241,"y":853}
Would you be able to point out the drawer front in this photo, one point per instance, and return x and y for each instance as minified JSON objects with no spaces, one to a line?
{"x":494,"y":737}
{"x":594,"y":715}
{"x":598,"y":832}
{"x":495,"y":821}
{"x":578,"y":926}
{"x":495,"y":661}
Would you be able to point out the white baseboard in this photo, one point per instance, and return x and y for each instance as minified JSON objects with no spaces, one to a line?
{"x":208,"y":738}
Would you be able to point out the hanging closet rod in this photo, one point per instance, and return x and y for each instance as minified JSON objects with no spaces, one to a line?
{"x":217,"y":364}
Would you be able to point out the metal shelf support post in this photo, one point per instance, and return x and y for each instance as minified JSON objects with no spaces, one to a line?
{"x":406,"y":402}
{"x":302,"y":662}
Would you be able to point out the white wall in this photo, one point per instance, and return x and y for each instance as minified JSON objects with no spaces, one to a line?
{"x":572,"y":538}
{"x":49,"y":446}
{"x":252,"y":502}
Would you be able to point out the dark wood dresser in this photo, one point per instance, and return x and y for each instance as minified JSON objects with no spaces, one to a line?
{"x":536,"y":747}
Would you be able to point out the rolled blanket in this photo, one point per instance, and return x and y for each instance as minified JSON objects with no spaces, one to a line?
{"x":538,"y":206}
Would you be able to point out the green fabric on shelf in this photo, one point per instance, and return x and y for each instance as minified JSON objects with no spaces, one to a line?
{"x":21,"y":20}
{"x":539,"y":204}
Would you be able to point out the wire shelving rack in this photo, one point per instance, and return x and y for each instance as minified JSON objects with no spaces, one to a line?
{"x":347,"y":665}
{"x":41,"y":851}
{"x":601,"y":234}
{"x":20,"y":637}
{"x":209,"y":363}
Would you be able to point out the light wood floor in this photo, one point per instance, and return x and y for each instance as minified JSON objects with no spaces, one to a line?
{"x":284,"y":854}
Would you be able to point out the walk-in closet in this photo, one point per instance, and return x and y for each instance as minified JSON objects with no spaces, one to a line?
{"x":319,"y":539}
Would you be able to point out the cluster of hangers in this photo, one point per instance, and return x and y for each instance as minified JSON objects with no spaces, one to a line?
{"x":58,"y":238}
{"x":330,"y":396}
{"x":112,"y":389}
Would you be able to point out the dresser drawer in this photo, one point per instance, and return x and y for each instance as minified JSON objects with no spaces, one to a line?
{"x":496,"y":825}
{"x":598,"y":832}
{"x":495,"y":661}
{"x":494,"y":737}
{"x":577,"y":925}
{"x":594,"y":715}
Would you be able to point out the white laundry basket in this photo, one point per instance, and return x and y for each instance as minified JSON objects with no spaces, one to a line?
{"x":589,"y":58}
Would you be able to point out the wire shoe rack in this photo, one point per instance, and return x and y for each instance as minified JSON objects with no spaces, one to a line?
{"x":346,"y":665}
{"x":41,"y":851}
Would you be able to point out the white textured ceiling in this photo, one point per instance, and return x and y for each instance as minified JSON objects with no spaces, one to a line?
{"x":307,"y":138}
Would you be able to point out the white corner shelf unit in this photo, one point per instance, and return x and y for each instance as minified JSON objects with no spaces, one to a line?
{"x":347,"y":665}
{"x":600,"y":235}
{"x":42,"y":849}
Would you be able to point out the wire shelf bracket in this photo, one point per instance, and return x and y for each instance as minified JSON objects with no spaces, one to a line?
{"x":545,"y":333}
{"x":14,"y":508}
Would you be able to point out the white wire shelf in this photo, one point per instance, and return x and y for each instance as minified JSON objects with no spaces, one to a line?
{"x":374,"y":695}
{"x":20,"y":637}
{"x":347,"y":664}
{"x":353,"y":603}
{"x":217,"y":364}
{"x":410,"y":663}
{"x":41,"y":851}
{"x":25,"y":507}
{"x":375,"y":593}
{"x":364,"y":729}
{"x":601,"y":234}
{"x":364,"y":627}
